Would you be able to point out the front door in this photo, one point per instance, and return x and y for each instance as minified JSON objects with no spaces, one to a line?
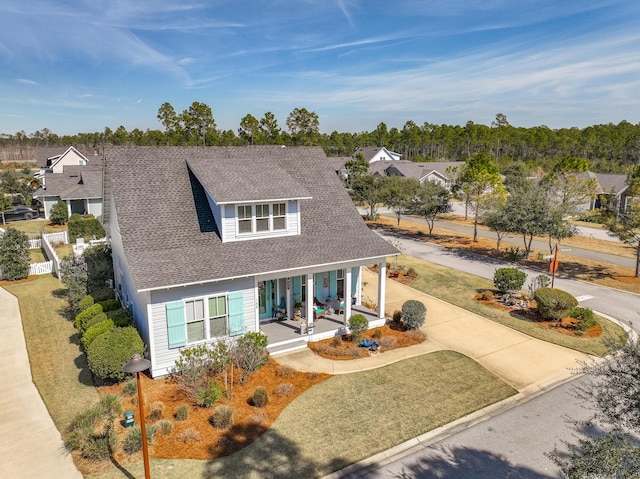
{"x":267,"y":294}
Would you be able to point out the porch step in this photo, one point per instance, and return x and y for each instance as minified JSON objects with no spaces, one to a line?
{"x":286,"y":346}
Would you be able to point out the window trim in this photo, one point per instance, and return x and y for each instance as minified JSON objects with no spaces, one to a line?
{"x":207,"y":317}
{"x":270,"y":216}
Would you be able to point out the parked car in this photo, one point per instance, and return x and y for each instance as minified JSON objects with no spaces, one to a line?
{"x":20,"y":213}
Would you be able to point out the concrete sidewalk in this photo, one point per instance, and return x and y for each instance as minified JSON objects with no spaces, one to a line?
{"x":526,"y":363}
{"x":30,"y":444}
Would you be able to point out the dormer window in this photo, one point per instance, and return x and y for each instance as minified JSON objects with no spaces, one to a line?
{"x":262,"y":217}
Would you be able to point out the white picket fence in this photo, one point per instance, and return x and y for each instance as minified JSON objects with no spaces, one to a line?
{"x":35,"y":243}
{"x":47,"y":246}
{"x":41,"y":268}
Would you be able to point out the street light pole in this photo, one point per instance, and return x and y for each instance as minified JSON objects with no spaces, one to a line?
{"x":554,"y":265}
{"x":137,"y":365}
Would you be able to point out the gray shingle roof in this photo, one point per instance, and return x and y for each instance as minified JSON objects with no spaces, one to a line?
{"x":410,"y":169}
{"x":74,"y":183}
{"x":166,"y":243}
{"x":368,"y":152}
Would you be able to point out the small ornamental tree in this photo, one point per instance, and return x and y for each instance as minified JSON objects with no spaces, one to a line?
{"x":14,"y":254}
{"x":554,"y":304}
{"x":509,"y":280}
{"x":59,"y":213}
{"x":358,"y":324}
{"x":413,"y":314}
{"x":250,"y":353}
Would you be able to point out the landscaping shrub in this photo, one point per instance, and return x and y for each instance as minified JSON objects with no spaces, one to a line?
{"x":388,"y":342}
{"x":133,"y":442}
{"x":109,"y":352}
{"x":98,"y":318}
{"x":586,"y":318}
{"x":515,"y":253}
{"x":85,"y":315}
{"x":86,"y":302}
{"x":413,"y":314}
{"x":189,"y":434}
{"x":103,"y":294}
{"x":97,"y":448}
{"x":74,"y":276}
{"x":540,"y":281}
{"x":99,"y":261}
{"x":222,"y":417}
{"x":554,"y":304}
{"x":84,"y":227}
{"x":416,"y":335}
{"x":130,"y":387}
{"x":193,"y":368}
{"x":486,"y":296}
{"x":250,"y":352}
{"x":260,"y":397}
{"x":121,"y":318}
{"x":283,"y":389}
{"x":377,"y":333}
{"x":358,"y":324}
{"x":509,"y":280}
{"x":110,"y":305}
{"x":96,"y":330}
{"x":285,"y":371}
{"x":182,"y":413}
{"x":166,"y":427}
{"x":14,"y":254}
{"x":59,"y":214}
{"x":156,"y":410}
{"x":257,"y":418}
{"x":209,"y":394}
{"x":336,"y":341}
{"x":397,"y":316}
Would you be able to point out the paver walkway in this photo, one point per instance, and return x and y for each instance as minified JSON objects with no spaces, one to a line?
{"x":524,"y":362}
{"x":30,"y":444}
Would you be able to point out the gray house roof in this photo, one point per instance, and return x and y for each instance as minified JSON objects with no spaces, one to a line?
{"x":609,"y":182}
{"x":74,"y":183}
{"x":165,"y":221}
{"x":43,"y":153}
{"x":368,"y":152}
{"x":411,"y":169}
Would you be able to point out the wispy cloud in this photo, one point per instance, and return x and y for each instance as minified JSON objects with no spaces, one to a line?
{"x":26,"y":81}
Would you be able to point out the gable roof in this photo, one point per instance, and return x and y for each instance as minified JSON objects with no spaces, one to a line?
{"x":74,"y":183}
{"x":411,"y":169}
{"x":163,"y":217}
{"x":609,"y":182}
{"x":370,"y":151}
{"x":43,"y":154}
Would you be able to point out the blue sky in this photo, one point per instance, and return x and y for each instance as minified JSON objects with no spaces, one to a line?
{"x":81,"y":65}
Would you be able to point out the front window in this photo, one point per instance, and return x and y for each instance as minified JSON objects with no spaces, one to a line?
{"x":217,"y":316}
{"x":262,"y":217}
{"x":244,"y":219}
{"x":195,"y":320}
{"x":279,"y":216}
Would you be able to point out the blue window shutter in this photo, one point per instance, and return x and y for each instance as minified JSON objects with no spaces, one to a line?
{"x":317,"y":285}
{"x":297,"y":288}
{"x":236,"y":314}
{"x":333,"y":283}
{"x":354,"y":279}
{"x":176,"y":330}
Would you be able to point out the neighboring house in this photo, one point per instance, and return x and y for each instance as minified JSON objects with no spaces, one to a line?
{"x":611,"y":189}
{"x":436,"y":171}
{"x":53,"y":160}
{"x":372,"y":154}
{"x":208,"y":242}
{"x":80,"y":187}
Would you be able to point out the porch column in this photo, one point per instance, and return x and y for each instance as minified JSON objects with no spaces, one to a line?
{"x":310,"y":295}
{"x":68,"y":208}
{"x":347,"y":295}
{"x":288,"y":304}
{"x":382,"y":276}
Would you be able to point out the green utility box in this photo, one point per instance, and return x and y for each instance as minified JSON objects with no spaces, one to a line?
{"x":128,"y":418}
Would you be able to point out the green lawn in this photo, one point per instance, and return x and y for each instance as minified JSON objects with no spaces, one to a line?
{"x":33,"y":227}
{"x":58,"y":366}
{"x":348,"y":418}
{"x":459,"y":288}
{"x":36,"y":255}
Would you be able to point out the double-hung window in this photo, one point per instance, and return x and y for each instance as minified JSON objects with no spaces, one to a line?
{"x":279,"y":216}
{"x":245,"y":219}
{"x":262,"y":217}
{"x":217,"y":316}
{"x":194,"y":312}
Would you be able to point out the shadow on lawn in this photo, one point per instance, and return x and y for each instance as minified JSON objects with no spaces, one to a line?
{"x":285,"y":459}
{"x":463,"y":463}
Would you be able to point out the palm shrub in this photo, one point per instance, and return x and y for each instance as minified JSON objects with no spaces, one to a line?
{"x":554,"y":304}
{"x":14,"y":254}
{"x":358,"y":324}
{"x":133,"y":442}
{"x":413,"y":314}
{"x":509,"y":280}
{"x":109,"y":352}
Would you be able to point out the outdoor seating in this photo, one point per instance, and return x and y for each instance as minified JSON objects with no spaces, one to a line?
{"x":374,"y":348}
{"x":318,"y":312}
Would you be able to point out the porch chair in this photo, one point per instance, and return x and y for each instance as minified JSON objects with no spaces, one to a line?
{"x":318,"y":312}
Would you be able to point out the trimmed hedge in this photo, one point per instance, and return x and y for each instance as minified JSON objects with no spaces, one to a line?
{"x":96,"y":330}
{"x":84,"y":227}
{"x":358,"y":324}
{"x":103,"y":294}
{"x":121,"y":317}
{"x":85,"y":315}
{"x":109,"y":352}
{"x":110,"y":305}
{"x":554,"y":304}
{"x":509,"y":280}
{"x":95,"y":320}
{"x":413,"y":314}
{"x":586,"y":318}
{"x":86,"y":302}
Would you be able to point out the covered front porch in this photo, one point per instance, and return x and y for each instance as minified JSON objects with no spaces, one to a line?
{"x":290,"y":334}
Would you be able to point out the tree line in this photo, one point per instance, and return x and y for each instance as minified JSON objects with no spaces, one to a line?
{"x":610,"y":148}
